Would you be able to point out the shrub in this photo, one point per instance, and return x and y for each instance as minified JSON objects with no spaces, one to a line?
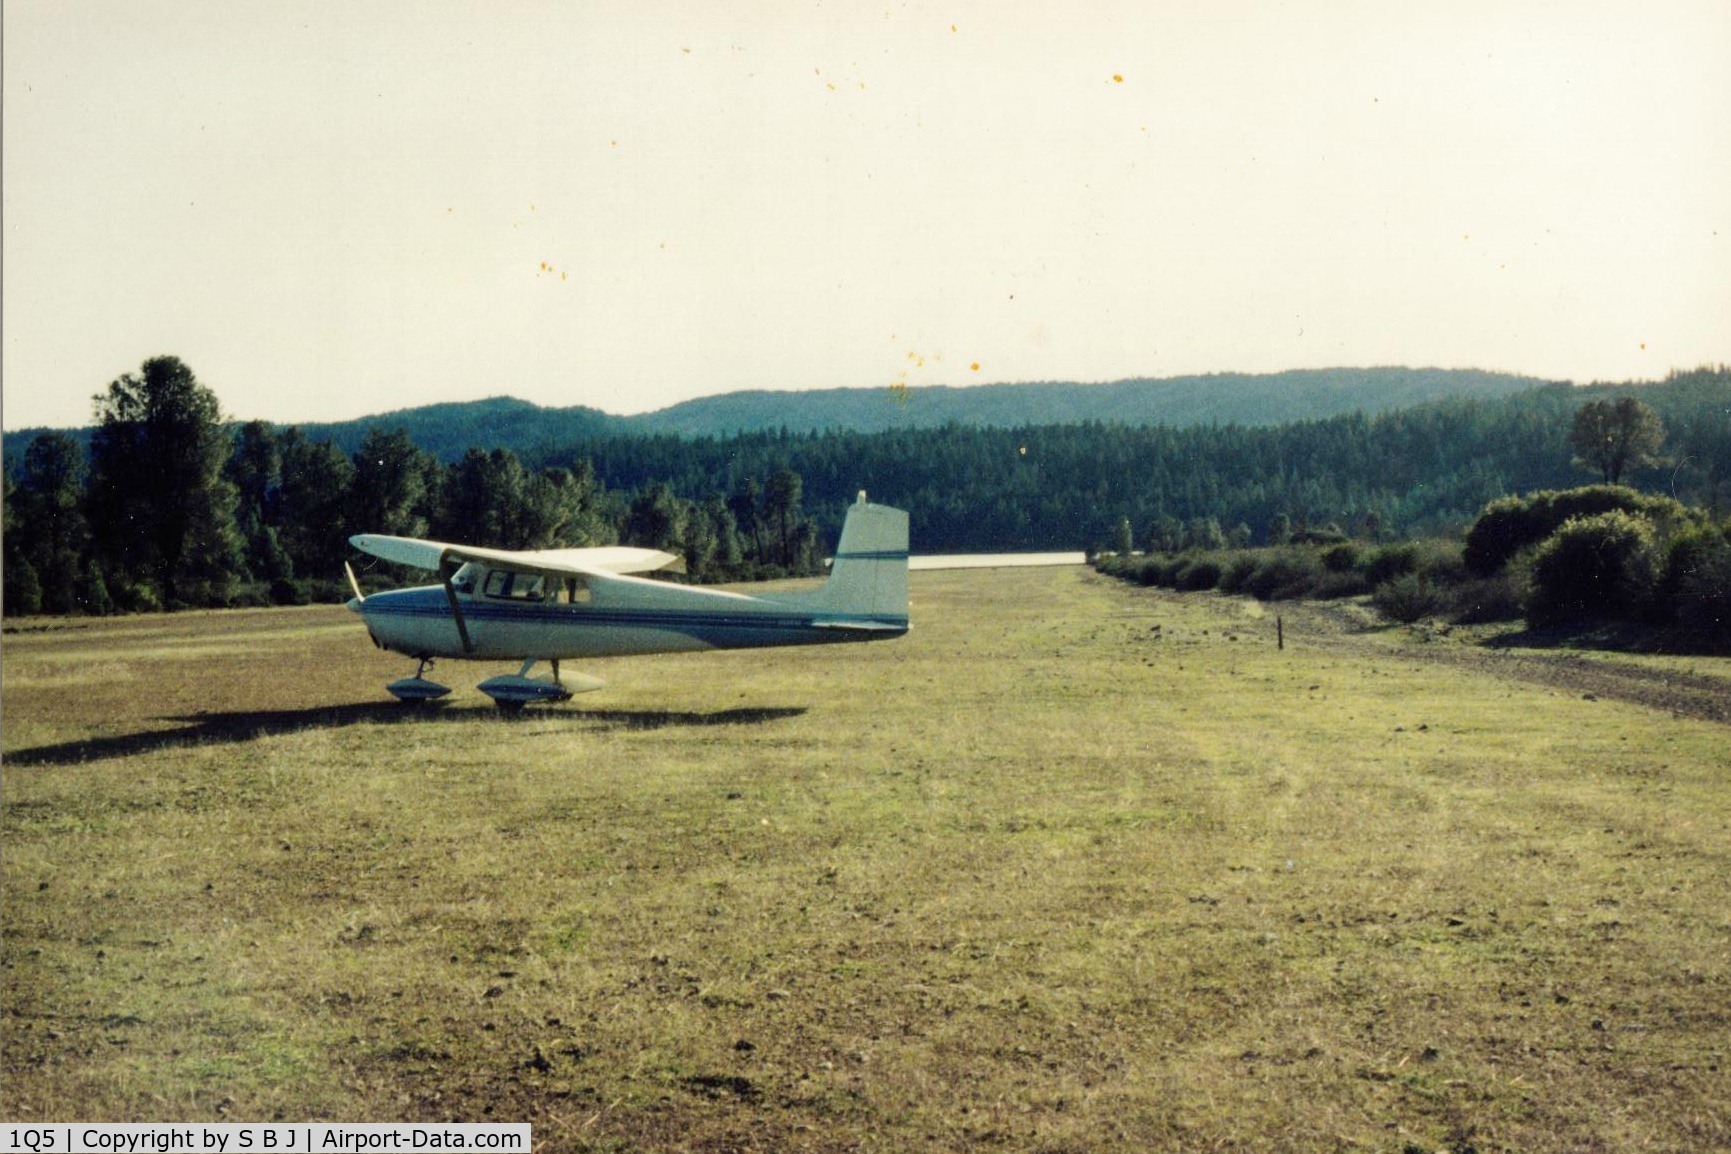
{"x":1149,"y":570}
{"x":1114,"y":565}
{"x":286,"y":591}
{"x":23,"y":591}
{"x":1407,"y":598}
{"x":1283,"y":574}
{"x":1197,"y":574}
{"x":135,"y":597}
{"x":1440,"y":561}
{"x":1329,"y":534}
{"x":1341,"y":558}
{"x":92,"y":596}
{"x":1156,"y":571}
{"x":1510,"y":524}
{"x":251,"y":595}
{"x":1237,"y":571}
{"x":1331,"y":586}
{"x":326,"y":591}
{"x":1696,"y":587}
{"x":1486,"y":599}
{"x":1603,"y":566}
{"x":1389,"y":562}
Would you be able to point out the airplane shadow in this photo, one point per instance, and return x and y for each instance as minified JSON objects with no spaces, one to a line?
{"x":248,"y":725}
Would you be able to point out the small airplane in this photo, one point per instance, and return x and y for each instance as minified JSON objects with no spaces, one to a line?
{"x":560,"y":604}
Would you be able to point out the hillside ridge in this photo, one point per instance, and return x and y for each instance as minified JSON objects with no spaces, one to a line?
{"x":448,"y":428}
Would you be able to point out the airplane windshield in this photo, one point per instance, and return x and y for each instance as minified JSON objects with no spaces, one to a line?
{"x":463,"y":580}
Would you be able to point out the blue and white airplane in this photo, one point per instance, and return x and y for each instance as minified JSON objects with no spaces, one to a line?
{"x":560,"y":604}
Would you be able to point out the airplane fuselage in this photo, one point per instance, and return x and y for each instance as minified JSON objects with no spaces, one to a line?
{"x":629,"y":616}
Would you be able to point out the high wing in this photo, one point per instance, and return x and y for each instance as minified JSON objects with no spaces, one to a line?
{"x":599,"y":561}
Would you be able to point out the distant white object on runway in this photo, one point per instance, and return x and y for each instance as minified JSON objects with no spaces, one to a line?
{"x":994,"y":560}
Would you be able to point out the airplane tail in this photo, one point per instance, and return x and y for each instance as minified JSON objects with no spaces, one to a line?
{"x":869,"y":578}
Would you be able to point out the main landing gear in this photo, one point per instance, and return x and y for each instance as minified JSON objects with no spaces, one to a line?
{"x":510,"y":692}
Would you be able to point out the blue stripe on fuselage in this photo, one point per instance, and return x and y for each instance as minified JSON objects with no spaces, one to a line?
{"x":712,"y":626}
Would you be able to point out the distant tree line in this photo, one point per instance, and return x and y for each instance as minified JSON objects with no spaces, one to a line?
{"x":1396,"y":474}
{"x":172,"y":507}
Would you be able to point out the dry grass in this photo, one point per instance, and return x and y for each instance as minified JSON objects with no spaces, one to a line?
{"x":1072,"y":867}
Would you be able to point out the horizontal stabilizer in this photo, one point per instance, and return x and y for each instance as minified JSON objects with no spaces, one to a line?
{"x":862,"y":626}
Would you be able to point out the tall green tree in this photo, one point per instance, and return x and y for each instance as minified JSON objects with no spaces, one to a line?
{"x":1705,"y":443}
{"x":781,"y":499}
{"x":312,"y":504}
{"x":746,"y":503}
{"x":656,"y":520}
{"x":482,"y":500}
{"x":1166,"y":534}
{"x":728,"y":560}
{"x":51,"y":534}
{"x":1124,"y":538}
{"x":161,"y":512}
{"x":395,"y":488}
{"x":1612,"y":437}
{"x":22,"y":591}
{"x":573,"y":507}
{"x":489,"y":498}
{"x":255,"y":469}
{"x":1204,"y":533}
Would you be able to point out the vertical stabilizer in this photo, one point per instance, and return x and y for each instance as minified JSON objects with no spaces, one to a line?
{"x":870,"y":575}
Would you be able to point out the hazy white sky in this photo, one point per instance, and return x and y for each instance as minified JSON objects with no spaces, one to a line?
{"x":333,"y":209}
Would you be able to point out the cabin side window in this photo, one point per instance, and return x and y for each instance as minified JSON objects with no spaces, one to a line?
{"x":504,"y":584}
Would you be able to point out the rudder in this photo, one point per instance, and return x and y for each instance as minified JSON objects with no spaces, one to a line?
{"x":870,"y":575}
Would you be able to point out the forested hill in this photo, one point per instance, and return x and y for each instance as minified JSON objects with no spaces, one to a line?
{"x":1044,"y":487}
{"x":1219,"y":398}
{"x":1223,"y":398}
{"x":447,"y":430}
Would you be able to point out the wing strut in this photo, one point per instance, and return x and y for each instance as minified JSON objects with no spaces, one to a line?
{"x":445,"y":573}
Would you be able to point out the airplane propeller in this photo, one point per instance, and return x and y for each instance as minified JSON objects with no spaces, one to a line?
{"x":354,"y":583}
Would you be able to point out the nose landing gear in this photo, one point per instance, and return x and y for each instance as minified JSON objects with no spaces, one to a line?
{"x":417,"y":689}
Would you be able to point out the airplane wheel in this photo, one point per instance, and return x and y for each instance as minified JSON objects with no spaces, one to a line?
{"x":510,"y":708}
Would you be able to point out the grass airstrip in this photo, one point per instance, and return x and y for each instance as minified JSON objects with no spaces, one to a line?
{"x":1074,"y":866}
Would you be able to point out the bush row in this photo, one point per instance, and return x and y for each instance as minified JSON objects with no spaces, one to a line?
{"x":1616,"y":556}
{"x":1618,"y":566}
{"x":1510,"y":525}
{"x":1408,"y":580}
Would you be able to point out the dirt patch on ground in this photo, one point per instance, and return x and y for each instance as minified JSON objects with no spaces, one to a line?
{"x":1684,"y":693}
